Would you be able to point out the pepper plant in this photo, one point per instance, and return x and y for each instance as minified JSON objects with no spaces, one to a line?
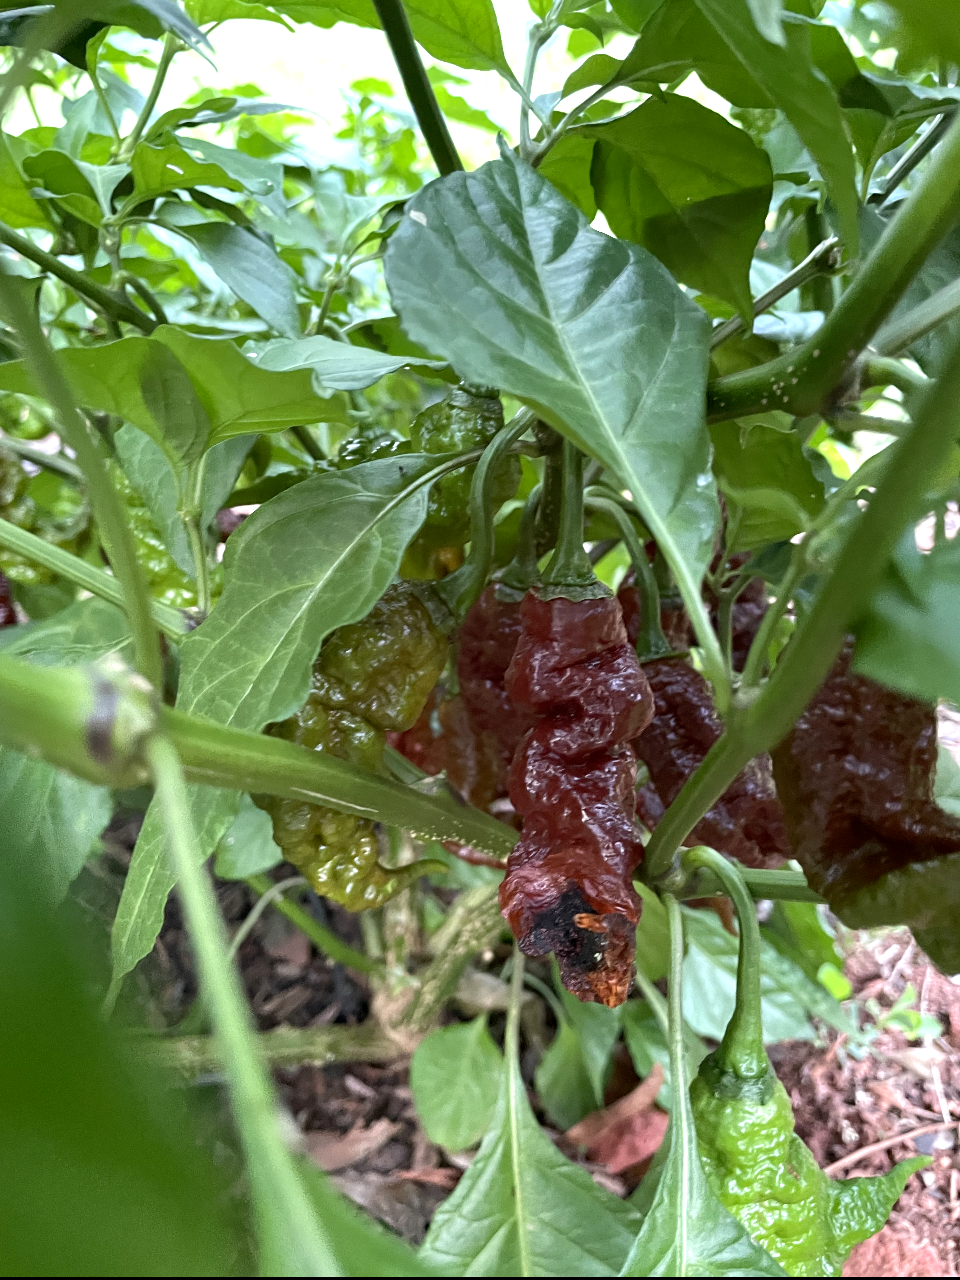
{"x":691,"y":339}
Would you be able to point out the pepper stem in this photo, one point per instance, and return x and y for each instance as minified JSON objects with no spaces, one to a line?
{"x":523,"y":571}
{"x":570,"y":572}
{"x":678,"y":1064}
{"x":651,"y":642}
{"x":741,"y":1051}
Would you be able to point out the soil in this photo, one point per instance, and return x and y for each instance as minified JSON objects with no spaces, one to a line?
{"x":358,"y":1120}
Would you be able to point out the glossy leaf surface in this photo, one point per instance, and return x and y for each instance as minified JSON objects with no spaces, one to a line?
{"x":455,"y":1075}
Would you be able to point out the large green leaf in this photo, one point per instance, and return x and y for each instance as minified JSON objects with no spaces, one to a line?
{"x":790,"y":80}
{"x":455,"y":1076}
{"x":168,"y":167}
{"x":909,"y":637}
{"x":337,"y":365}
{"x":572,"y":1073}
{"x":252,"y":269}
{"x":238,"y":398}
{"x":17,"y":207}
{"x":503,"y":276}
{"x":522,"y":1209}
{"x":771,"y":489}
{"x":689,"y":186}
{"x":314,"y":558}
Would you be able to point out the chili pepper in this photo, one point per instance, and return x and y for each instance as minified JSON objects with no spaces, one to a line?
{"x":371,"y":677}
{"x":568,"y":886}
{"x":673,"y":617}
{"x":8,"y":614}
{"x":488,"y":639}
{"x":757,"y":1166}
{"x":856,"y":777}
{"x":747,"y":821}
{"x":444,"y":740}
{"x":467,"y":418}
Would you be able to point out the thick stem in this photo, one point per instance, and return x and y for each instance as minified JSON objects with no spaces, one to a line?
{"x":678,"y":1063}
{"x":170,"y":621}
{"x":171,"y":46}
{"x":423,"y":100}
{"x":523,"y":571}
{"x":767,"y":717}
{"x":801,"y":381}
{"x":107,"y":507}
{"x":819,"y":287}
{"x":323,"y":939}
{"x":570,"y":572}
{"x":906,"y":164}
{"x":898,"y":335}
{"x":288,"y":1229}
{"x":111,"y":304}
{"x":741,"y":1050}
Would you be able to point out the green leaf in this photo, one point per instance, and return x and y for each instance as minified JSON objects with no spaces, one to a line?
{"x":336,"y":365}
{"x":248,"y":848}
{"x":455,"y":1075}
{"x":909,"y":637}
{"x":496,"y":271}
{"x":151,"y":474}
{"x":252,"y":269}
{"x":159,"y":169}
{"x":239,"y":398}
{"x":653,"y":936}
{"x":567,"y":167}
{"x":770,"y":485}
{"x":787,"y":76}
{"x":648,"y":1045}
{"x":204,"y":11}
{"x":689,"y":186}
{"x":17,"y":207}
{"x":312,"y":559}
{"x":788,"y":996}
{"x":170,"y":400}
{"x":686,"y":1231}
{"x":572,"y":1073}
{"x":946,"y":788}
{"x":84,"y":632}
{"x":50,"y":817}
{"x":523,"y":1209}
{"x":797,"y":932}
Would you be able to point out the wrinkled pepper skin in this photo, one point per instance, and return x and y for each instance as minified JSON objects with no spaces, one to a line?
{"x":444,"y":740}
{"x":371,"y":677}
{"x":467,"y":418}
{"x":489,"y":636}
{"x":768,"y":1179}
{"x":856,"y":777}
{"x":568,"y":886}
{"x":8,"y":614}
{"x":747,"y":821}
{"x":673,"y":619}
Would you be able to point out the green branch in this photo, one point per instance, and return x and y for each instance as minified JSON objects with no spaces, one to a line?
{"x":170,"y":621}
{"x":111,"y":304}
{"x":764,"y":717}
{"x":898,"y":335}
{"x":423,"y":100}
{"x":802,"y":380}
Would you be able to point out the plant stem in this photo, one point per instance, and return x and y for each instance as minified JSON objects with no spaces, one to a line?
{"x":906,"y":164}
{"x":171,"y":47}
{"x":291,"y":1239}
{"x":307,"y":443}
{"x":190,"y":514}
{"x":540,"y":32}
{"x":523,"y":571}
{"x":882,"y":371}
{"x":678,"y":1063}
{"x":656,"y":1002}
{"x":651,"y":642}
{"x":200,"y":1055}
{"x":170,"y":621}
{"x":111,"y":304}
{"x":323,"y":939}
{"x":824,"y":258}
{"x":511,"y":1043}
{"x":433,"y":126}
{"x":270,"y":893}
{"x":102,"y":99}
{"x":741,"y":1050}
{"x":768,"y":716}
{"x":801,"y":381}
{"x":897,"y":335}
{"x":570,"y":572}
{"x":107,"y":507}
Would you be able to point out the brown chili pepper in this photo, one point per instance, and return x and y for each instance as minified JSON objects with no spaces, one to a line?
{"x":488,"y":639}
{"x":746,"y":823}
{"x":8,"y":614}
{"x":568,"y":886}
{"x":856,"y":777}
{"x":673,"y":617}
{"x":444,"y":740}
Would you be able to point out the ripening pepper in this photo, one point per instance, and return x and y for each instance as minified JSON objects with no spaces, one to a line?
{"x":856,"y":777}
{"x":768,"y":1178}
{"x":370,"y":678}
{"x":467,"y":418}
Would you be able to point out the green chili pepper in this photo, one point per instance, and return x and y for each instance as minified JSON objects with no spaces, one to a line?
{"x":758,"y":1167}
{"x":371,"y":677}
{"x":468,"y":418}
